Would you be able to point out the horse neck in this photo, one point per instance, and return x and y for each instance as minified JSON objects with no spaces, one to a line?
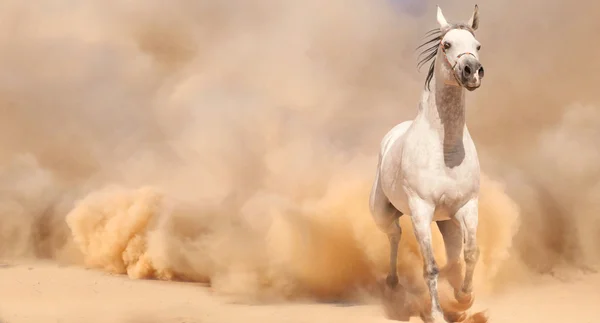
{"x":445,"y":111}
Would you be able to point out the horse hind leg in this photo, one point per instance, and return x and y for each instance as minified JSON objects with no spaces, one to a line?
{"x":386,"y":217}
{"x":394,"y":235}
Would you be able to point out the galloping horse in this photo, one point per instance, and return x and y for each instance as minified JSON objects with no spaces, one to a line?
{"x":428,"y":167}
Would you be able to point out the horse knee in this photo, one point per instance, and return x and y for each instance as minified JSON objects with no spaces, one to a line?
{"x":471,"y":254}
{"x":431,"y":271}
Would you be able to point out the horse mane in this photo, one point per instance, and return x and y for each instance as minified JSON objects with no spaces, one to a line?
{"x":432,"y":45}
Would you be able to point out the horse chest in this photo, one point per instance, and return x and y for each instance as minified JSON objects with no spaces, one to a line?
{"x":425,"y":173}
{"x":443,"y":185}
{"x":414,"y":164}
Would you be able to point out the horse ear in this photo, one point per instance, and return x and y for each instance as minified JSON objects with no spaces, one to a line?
{"x":441,"y":19}
{"x":474,"y":21}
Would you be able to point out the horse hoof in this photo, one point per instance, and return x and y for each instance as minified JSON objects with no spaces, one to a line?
{"x":456,"y":317}
{"x":391,"y":281}
{"x":464,"y":298}
{"x":480,"y":317}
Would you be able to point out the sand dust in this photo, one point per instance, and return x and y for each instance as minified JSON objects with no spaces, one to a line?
{"x":193,"y":154}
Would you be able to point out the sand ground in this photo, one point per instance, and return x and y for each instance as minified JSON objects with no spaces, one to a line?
{"x":45,"y":292}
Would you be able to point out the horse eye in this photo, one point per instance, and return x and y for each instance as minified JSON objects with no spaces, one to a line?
{"x":478,"y":47}
{"x":447,"y":45}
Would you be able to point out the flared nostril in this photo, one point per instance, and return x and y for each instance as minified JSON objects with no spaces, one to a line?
{"x":467,"y":71}
{"x":481,"y":72}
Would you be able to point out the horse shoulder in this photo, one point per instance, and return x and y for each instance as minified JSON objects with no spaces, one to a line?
{"x":393,"y":135}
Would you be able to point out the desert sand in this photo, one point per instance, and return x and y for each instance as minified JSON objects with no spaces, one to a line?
{"x":39,"y":292}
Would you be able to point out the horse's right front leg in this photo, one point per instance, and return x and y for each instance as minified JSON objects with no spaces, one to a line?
{"x":421,"y":217}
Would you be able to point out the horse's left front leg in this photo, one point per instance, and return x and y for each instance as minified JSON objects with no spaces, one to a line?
{"x":468,"y":216}
{"x":451,"y":231}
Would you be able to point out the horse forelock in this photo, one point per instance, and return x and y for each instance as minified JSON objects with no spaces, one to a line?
{"x":459,"y":25}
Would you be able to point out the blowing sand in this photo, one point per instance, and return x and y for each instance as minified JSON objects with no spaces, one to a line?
{"x":166,"y":144}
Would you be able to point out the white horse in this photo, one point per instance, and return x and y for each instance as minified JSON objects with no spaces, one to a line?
{"x":428,"y":167}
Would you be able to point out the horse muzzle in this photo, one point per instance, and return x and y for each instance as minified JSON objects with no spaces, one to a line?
{"x":470,"y":73}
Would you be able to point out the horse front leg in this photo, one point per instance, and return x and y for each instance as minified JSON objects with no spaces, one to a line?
{"x":468,"y":216}
{"x":421,"y":217}
{"x":452,"y":234}
{"x":451,"y":231}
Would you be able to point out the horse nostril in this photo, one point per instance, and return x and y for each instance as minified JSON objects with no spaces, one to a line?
{"x":467,"y":71}
{"x":481,"y":72}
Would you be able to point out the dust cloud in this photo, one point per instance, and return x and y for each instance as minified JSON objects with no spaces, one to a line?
{"x":234,"y":142}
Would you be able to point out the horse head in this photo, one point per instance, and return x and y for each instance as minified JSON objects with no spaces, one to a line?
{"x":458,"y":50}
